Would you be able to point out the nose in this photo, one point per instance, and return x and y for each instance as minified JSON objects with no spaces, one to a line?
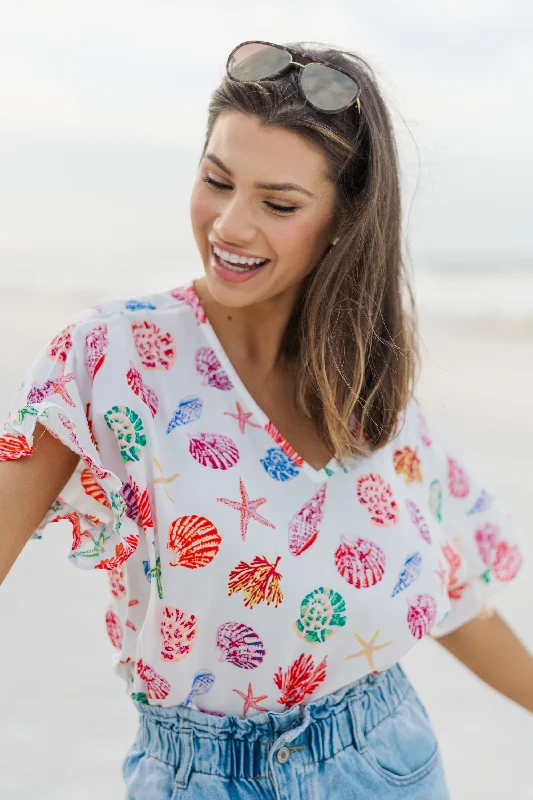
{"x":234,"y":224}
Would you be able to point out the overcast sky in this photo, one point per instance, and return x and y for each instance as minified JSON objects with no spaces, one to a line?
{"x":103,"y":105}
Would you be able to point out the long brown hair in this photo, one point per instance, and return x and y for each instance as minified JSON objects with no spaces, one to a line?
{"x":353,"y":330}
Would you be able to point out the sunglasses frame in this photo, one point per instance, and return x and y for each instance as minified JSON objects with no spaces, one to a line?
{"x":310,"y":59}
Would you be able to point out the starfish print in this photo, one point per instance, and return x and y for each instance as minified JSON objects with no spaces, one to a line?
{"x":164,"y":480}
{"x":247,"y":508}
{"x":443,"y":575}
{"x":250,"y":701}
{"x":59,"y":386}
{"x":242,"y":417}
{"x":368,"y":648}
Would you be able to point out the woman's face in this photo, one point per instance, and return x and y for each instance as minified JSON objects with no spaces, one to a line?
{"x":260,"y":193}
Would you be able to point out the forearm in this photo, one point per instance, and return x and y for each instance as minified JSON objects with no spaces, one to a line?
{"x":492,"y":651}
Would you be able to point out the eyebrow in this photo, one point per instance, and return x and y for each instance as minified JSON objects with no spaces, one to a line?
{"x":272,"y":187}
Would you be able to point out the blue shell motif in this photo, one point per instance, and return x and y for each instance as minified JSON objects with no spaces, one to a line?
{"x":278,"y":465}
{"x":189,"y":410}
{"x":135,"y":305}
{"x":409,"y":573}
{"x":202,"y":683}
{"x":483,"y":502}
{"x":147,"y":570}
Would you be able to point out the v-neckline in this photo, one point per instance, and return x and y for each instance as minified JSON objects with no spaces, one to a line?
{"x":321,"y":474}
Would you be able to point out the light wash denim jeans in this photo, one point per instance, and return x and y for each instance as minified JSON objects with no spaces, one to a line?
{"x":370,"y":739}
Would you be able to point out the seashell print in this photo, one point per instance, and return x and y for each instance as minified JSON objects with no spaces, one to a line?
{"x":157,"y":687}
{"x":114,"y":628}
{"x":482,"y":503}
{"x":194,"y":541}
{"x":187,"y":294}
{"x":92,"y":488}
{"x":410,"y":572}
{"x":13,"y":447}
{"x":61,"y":345}
{"x":507,"y":562}
{"x":127,"y":426}
{"x":138,"y":305}
{"x":240,"y":645}
{"x":117,"y":582}
{"x":213,"y":450}
{"x":305,"y":524}
{"x":423,"y":429}
{"x":322,"y":612}
{"x":376,"y":495}
{"x":407,"y":463}
{"x":178,"y":632}
{"x":418,"y":520}
{"x":360,"y":562}
{"x":457,"y":571}
{"x":301,"y":678}
{"x":283,"y":443}
{"x":202,"y":683}
{"x":137,"y":385}
{"x":435,"y":499}
{"x":421,"y":615}
{"x":486,"y":538}
{"x":188,"y":410}
{"x":144,"y":518}
{"x":147,"y":570}
{"x":129,"y":492}
{"x":458,"y":480}
{"x":210,"y":370}
{"x":67,"y":423}
{"x":155,"y":347}
{"x":278,"y":465}
{"x":96,"y":343}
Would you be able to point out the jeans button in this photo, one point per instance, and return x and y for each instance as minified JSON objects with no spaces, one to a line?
{"x":283,"y":754}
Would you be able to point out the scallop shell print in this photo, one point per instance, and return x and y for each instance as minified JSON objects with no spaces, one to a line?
{"x":137,"y":385}
{"x":278,"y":465}
{"x":213,"y":450}
{"x":96,"y":343}
{"x":155,"y":347}
{"x":418,"y":520}
{"x":360,"y":562}
{"x":129,"y":432}
{"x":157,"y":687}
{"x":210,"y":369}
{"x":178,"y":632}
{"x":322,"y":612}
{"x":410,"y":572}
{"x":194,"y":541}
{"x":376,"y":495}
{"x":61,"y":345}
{"x":240,"y":645}
{"x":421,"y":615}
{"x":407,"y":463}
{"x":188,"y":410}
{"x":458,"y":480}
{"x":305,"y":524}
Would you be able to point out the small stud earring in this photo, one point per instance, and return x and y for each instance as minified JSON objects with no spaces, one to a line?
{"x":335,"y":240}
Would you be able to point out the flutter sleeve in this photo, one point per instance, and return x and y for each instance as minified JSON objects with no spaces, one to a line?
{"x":60,"y":391}
{"x":482,"y":548}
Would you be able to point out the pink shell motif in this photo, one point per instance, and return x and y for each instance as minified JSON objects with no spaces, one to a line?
{"x":418,"y":520}
{"x":213,"y":450}
{"x":155,"y":347}
{"x":305,"y":524}
{"x":458,"y":480}
{"x":178,"y":632}
{"x":157,"y":687}
{"x":360,"y":562}
{"x":60,"y":346}
{"x":486,"y":538}
{"x":137,"y":385}
{"x":117,"y":582}
{"x":504,"y":559}
{"x":210,"y":370}
{"x":96,"y":343}
{"x":240,"y":645}
{"x":187,"y":294}
{"x":114,"y":627}
{"x":376,"y":495}
{"x":421,"y":615}
{"x":423,"y":428}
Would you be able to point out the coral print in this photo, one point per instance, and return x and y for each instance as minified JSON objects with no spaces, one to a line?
{"x":300,"y":679}
{"x":213,"y":450}
{"x":96,"y":344}
{"x":258,"y":581}
{"x":376,"y":495}
{"x":61,"y":345}
{"x":189,"y":410}
{"x":456,"y":586}
{"x":418,"y":520}
{"x":458,"y":481}
{"x":421,"y":615}
{"x":155,"y":347}
{"x":407,"y":464}
{"x":157,"y":687}
{"x":210,"y":370}
{"x":194,"y":541}
{"x":278,"y":465}
{"x":128,"y":428}
{"x":305,"y":524}
{"x":178,"y":632}
{"x":322,"y":612}
{"x":137,"y":385}
{"x":360,"y":562}
{"x":240,"y":645}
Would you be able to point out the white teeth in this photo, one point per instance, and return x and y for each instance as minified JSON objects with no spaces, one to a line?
{"x":243,"y":260}
{"x":233,"y":258}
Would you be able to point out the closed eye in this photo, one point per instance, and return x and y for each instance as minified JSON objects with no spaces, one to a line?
{"x":272,"y":206}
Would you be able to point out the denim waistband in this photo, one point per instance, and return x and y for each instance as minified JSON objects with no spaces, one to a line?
{"x":237,"y":747}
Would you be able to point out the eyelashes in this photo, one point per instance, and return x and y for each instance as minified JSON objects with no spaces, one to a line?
{"x":217,"y":186}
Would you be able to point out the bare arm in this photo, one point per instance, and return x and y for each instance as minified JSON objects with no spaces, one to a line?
{"x":490,"y":649}
{"x":28,"y":487}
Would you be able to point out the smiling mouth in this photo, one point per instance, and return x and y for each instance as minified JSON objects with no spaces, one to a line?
{"x":237,"y":263}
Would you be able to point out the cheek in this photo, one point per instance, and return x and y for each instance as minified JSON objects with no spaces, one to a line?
{"x":202,"y":208}
{"x":301,"y":238}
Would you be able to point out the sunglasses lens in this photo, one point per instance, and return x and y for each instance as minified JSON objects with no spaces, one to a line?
{"x":253,"y":62}
{"x":328,"y":89}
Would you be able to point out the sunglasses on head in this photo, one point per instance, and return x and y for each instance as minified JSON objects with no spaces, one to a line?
{"x":325,"y":87}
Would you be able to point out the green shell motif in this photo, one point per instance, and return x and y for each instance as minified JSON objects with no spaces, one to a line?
{"x":322,"y":611}
{"x":435,"y":499}
{"x":128,"y":429}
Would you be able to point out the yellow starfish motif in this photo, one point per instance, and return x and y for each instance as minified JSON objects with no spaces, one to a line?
{"x":368,"y":648}
{"x":164,"y":481}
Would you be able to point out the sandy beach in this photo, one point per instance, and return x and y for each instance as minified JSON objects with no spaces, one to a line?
{"x":65,"y":719}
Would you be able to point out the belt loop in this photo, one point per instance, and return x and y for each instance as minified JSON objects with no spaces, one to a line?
{"x":356,"y":705}
{"x":184,"y":758}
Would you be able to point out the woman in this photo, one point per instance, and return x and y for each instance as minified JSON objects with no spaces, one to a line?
{"x":279,"y":519}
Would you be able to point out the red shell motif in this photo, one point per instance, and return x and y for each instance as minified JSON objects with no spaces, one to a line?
{"x":59,"y":347}
{"x":210,"y":369}
{"x":458,"y":480}
{"x":213,"y":450}
{"x":407,"y":463}
{"x":421,"y":615}
{"x":92,"y":488}
{"x":157,"y":687}
{"x":147,"y":395}
{"x":188,"y":295}
{"x":96,"y":343}
{"x":178,"y":632}
{"x":301,"y":678}
{"x":283,"y":443}
{"x":360,"y":562}
{"x":376,"y":495}
{"x":305,"y":524}
{"x":423,"y":428}
{"x":507,"y":561}
{"x":117,"y":582}
{"x":114,"y":627}
{"x":194,"y":540}
{"x":145,"y":510}
{"x":13,"y":447}
{"x":155,"y":347}
{"x":418,"y":520}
